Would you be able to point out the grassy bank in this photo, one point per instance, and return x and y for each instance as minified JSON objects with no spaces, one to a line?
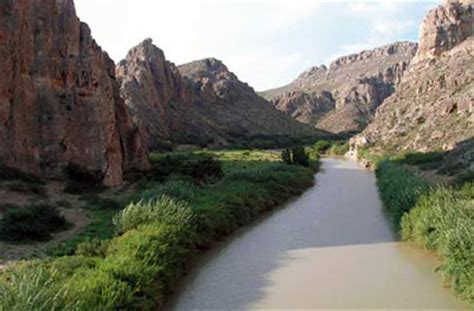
{"x":439,"y":218}
{"x":188,"y":202}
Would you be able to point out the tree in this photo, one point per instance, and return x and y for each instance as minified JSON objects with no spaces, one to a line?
{"x":286,"y":156}
{"x":300,"y":156}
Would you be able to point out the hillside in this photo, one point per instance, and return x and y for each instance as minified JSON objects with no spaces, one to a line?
{"x":200,"y":102}
{"x":343,"y":97}
{"x":433,"y":107}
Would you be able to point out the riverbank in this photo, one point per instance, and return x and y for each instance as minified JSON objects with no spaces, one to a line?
{"x":436,"y":216}
{"x":190,"y":202}
{"x":330,"y":248}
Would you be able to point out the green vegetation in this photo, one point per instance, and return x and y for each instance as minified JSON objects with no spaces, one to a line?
{"x":267,"y":142}
{"x":399,"y":189}
{"x":439,"y":218}
{"x":176,"y":213}
{"x":443,"y":221}
{"x":31,"y":222}
{"x":296,"y":155}
{"x":333,"y":148}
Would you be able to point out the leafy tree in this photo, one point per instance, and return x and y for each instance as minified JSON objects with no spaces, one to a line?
{"x":286,"y":156}
{"x":300,"y":156}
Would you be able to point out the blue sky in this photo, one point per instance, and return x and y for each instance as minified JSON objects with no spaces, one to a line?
{"x":267,"y":43}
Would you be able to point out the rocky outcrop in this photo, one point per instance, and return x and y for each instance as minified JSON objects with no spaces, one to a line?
{"x":59,"y":101}
{"x":343,"y":97}
{"x":445,"y":27}
{"x":199,"y":103}
{"x":433,"y":107}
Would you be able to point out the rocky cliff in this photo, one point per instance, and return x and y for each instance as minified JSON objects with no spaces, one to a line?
{"x":200,"y":102}
{"x":433,"y":107}
{"x":343,"y":97}
{"x":59,"y":101}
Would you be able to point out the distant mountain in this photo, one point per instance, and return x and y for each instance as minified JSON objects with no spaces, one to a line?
{"x":200,"y":102}
{"x":59,"y":100}
{"x":343,"y":97}
{"x":433,"y":106}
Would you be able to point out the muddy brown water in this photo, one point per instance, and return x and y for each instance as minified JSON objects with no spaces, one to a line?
{"x":331,"y":248}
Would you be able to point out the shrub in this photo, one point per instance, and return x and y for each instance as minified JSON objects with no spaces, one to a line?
{"x":33,"y":287}
{"x":464,"y":178}
{"x":162,"y":209}
{"x":443,"y":221}
{"x":205,"y":169}
{"x":286,"y":156}
{"x":321,"y":146}
{"x":339,"y":149}
{"x":92,"y":248}
{"x":418,"y":158}
{"x":300,"y":156}
{"x":200,"y":167}
{"x":176,"y":189}
{"x":399,"y":189}
{"x":32,"y":222}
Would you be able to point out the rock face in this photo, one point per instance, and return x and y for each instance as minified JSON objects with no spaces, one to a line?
{"x":433,"y":107}
{"x":59,"y":101}
{"x":343,"y":97}
{"x":200,"y":102}
{"x":445,"y":27}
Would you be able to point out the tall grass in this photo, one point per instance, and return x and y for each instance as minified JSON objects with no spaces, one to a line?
{"x":443,"y":221}
{"x":157,"y":235}
{"x":399,"y":189}
{"x":439,"y":219}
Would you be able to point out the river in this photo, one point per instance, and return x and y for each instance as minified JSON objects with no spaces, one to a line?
{"x":331,"y":248}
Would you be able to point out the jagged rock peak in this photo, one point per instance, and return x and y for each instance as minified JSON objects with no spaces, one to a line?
{"x":444,"y":27}
{"x":203,"y":67}
{"x":403,"y":48}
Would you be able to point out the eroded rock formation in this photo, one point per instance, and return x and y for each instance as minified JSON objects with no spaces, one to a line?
{"x":343,"y":97}
{"x":59,"y":101}
{"x":433,"y":107}
{"x":200,"y":103}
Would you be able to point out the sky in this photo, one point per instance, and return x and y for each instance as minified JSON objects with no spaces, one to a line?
{"x":266,"y":43}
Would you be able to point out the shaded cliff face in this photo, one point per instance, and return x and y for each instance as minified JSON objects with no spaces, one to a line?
{"x":343,"y":97}
{"x":200,"y":102}
{"x":59,"y":101}
{"x":433,"y":107}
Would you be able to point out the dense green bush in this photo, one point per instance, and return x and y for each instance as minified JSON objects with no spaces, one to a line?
{"x":399,"y":189}
{"x":36,"y":287}
{"x":439,"y":219}
{"x":200,"y":167}
{"x":321,"y":146}
{"x":339,"y":149}
{"x":295,"y":155}
{"x":300,"y":156}
{"x":162,"y":209}
{"x":443,"y":221}
{"x":286,"y":156}
{"x":31,"y":222}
